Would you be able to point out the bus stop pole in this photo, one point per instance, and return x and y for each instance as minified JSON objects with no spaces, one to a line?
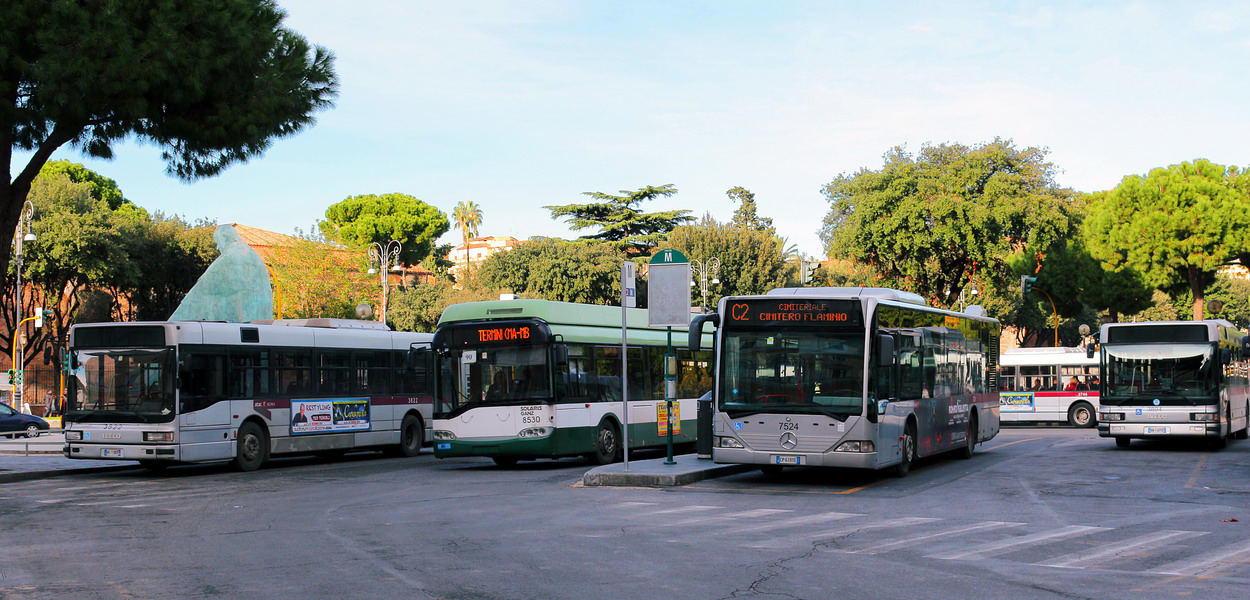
{"x":669,"y":381}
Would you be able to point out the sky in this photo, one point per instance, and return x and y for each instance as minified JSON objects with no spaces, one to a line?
{"x":520,"y":105}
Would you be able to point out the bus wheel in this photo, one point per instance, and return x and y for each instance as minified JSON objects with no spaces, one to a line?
{"x":908,"y":446}
{"x":607,"y":444}
{"x":1081,"y":415}
{"x":411,"y":436}
{"x":1121,"y":442}
{"x":971,"y":446}
{"x":253,"y":447}
{"x":1244,"y":433}
{"x":504,"y":461}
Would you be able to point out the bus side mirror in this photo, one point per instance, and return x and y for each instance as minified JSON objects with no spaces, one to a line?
{"x":416,"y":357}
{"x":1089,"y":351}
{"x":561,"y":353}
{"x":1245,"y":346}
{"x":885,"y":350}
{"x":872,"y":410}
{"x":1226,"y":356}
{"x":695,"y":341}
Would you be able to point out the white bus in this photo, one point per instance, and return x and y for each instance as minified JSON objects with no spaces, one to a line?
{"x":1048,"y":384}
{"x":164,"y":393}
{"x":849,"y":377}
{"x":1174,"y":379}
{"x":529,"y":379}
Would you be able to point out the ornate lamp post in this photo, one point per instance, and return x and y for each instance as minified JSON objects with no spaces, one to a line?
{"x":385,"y":257}
{"x":23,"y":225}
{"x":704,"y":269}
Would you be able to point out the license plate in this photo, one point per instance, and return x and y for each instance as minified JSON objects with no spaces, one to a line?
{"x":111,"y":453}
{"x":444,"y":446}
{"x":788,"y":460}
{"x":1156,"y":430}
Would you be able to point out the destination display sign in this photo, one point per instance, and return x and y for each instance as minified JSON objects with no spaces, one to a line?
{"x":495,"y":333}
{"x":801,"y":312}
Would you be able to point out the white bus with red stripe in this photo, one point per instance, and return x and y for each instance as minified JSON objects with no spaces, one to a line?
{"x":1047,"y":385}
{"x":164,"y":393}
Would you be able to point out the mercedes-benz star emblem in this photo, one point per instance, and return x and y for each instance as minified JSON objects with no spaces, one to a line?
{"x":789,"y":440}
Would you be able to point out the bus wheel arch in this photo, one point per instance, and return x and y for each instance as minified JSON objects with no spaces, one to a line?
{"x":251,"y":445}
{"x":608,"y":433}
{"x":411,"y":435}
{"x":1081,"y":414}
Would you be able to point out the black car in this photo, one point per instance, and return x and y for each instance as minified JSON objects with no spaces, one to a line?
{"x":14,"y":424}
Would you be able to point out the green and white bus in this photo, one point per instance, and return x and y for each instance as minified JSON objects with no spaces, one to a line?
{"x":529,"y":379}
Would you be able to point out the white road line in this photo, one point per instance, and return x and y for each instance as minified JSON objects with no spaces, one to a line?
{"x":789,"y":540}
{"x":684,"y":509}
{"x":759,"y":512}
{"x":1081,"y":559}
{"x":634,"y":504}
{"x":914,"y":540}
{"x":1207,"y":563}
{"x":1010,"y":544}
{"x":792,"y":523}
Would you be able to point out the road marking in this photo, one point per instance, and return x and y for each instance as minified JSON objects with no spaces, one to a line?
{"x":1206,"y":564}
{"x":796,"y":522}
{"x":1118,"y":549}
{"x":1010,"y":544}
{"x":1011,"y":444}
{"x":683,"y":509}
{"x":635,"y":504}
{"x":1202,"y":460}
{"x":913,"y":540}
{"x":759,"y":512}
{"x":836,"y":533}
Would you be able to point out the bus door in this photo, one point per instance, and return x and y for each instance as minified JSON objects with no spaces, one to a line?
{"x":883,"y":399}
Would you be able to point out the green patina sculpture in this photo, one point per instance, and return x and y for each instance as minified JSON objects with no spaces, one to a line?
{"x":235,"y":288}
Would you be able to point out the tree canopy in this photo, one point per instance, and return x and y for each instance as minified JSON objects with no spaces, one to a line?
{"x":620,"y":220}
{"x":745,"y":215}
{"x":583,"y":271}
{"x":210,"y":82}
{"x":362,"y":220}
{"x":1176,"y":226}
{"x":468,"y":216}
{"x":938,"y":220}
{"x":751,"y":260}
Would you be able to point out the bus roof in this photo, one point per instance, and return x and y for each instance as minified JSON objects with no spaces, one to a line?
{"x":168,"y":333}
{"x":554,"y":313}
{"x":853,"y":292}
{"x":1217,"y":330}
{"x":1045,"y":356}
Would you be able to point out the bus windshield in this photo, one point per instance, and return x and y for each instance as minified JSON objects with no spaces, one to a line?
{"x":122,"y":386}
{"x":802,"y":372}
{"x":1172,"y":373}
{"x":498,"y":375}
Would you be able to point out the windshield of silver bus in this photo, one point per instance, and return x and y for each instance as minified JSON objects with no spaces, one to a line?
{"x":792,"y":372}
{"x":494,"y":376}
{"x":1176,"y":374}
{"x":122,"y":386}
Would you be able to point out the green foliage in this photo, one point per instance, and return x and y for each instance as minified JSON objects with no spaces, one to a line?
{"x":1176,"y":226}
{"x":316,"y":279}
{"x":211,"y":82}
{"x":745,"y":216}
{"x":437,"y":262}
{"x":750,"y":260}
{"x":98,"y":186}
{"x":582,"y":271}
{"x":362,"y":220}
{"x":620,"y":220}
{"x":418,"y":308}
{"x":168,"y":255}
{"x":934,"y":222}
{"x":468,"y":216}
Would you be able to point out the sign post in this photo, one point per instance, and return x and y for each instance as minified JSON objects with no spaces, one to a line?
{"x":629,"y":299}
{"x":668,"y":305}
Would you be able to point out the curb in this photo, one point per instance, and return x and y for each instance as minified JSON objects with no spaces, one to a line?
{"x":50,"y":473}
{"x":612,"y":478}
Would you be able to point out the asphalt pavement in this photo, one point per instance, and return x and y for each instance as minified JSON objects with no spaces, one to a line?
{"x":24,"y":459}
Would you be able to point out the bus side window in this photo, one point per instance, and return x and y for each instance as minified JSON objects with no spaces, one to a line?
{"x":578,"y":386}
{"x":607,"y":379}
{"x":202,"y":381}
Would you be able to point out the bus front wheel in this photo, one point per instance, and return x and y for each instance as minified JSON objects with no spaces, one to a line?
{"x":908,"y":446}
{"x":607,"y":444}
{"x":253,"y":447}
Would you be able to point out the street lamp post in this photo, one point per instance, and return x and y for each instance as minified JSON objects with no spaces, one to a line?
{"x":385,"y":257}
{"x":704,"y":269}
{"x":22,"y":234}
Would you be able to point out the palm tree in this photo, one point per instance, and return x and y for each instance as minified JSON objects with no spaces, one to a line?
{"x":468,"y":217}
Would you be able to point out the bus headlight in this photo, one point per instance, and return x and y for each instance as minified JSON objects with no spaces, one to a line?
{"x":444,"y":435}
{"x":158,"y":436}
{"x":73,"y":436}
{"x":1110,"y":416}
{"x":858,"y":446}
{"x":1205,"y":417}
{"x":534,"y":432}
{"x":728,"y":442}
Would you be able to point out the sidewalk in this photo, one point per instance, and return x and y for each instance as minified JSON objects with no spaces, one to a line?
{"x":654,"y":473}
{"x":24,"y":459}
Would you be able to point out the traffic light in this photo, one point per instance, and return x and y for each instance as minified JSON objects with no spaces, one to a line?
{"x":12,"y":376}
{"x":40,"y":315}
{"x":806,"y":269}
{"x":1026,"y":284}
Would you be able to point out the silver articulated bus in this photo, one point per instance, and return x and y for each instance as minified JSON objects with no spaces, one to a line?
{"x":849,"y":377}
{"x":1174,"y":379}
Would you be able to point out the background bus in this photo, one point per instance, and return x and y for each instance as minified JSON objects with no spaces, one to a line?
{"x":184,"y":392}
{"x":850,"y":377}
{"x":1174,"y":379}
{"x":1048,"y":384}
{"x":527,"y":379}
